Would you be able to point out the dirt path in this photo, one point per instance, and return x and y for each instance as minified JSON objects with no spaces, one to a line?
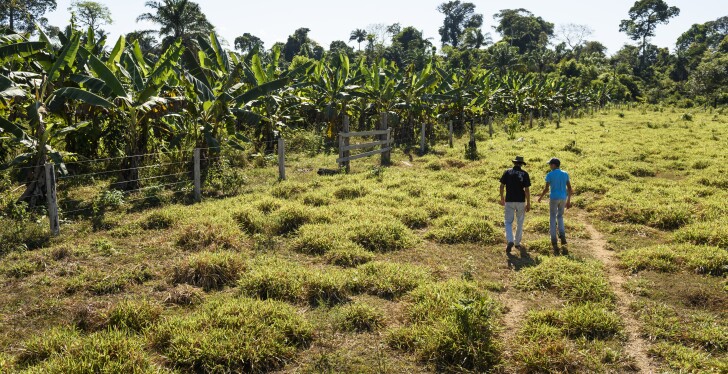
{"x":512,"y":322}
{"x":635,"y":345}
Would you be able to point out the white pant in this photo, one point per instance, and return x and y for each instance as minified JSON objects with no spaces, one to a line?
{"x":515,"y":211}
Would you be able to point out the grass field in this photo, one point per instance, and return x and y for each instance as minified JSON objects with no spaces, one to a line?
{"x":401,"y":269}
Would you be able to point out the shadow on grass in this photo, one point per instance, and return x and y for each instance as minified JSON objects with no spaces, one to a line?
{"x":524,"y":260}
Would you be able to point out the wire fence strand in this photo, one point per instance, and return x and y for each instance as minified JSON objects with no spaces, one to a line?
{"x":120,"y":170}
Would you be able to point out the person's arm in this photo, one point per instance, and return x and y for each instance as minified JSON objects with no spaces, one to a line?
{"x":502,"y":197}
{"x":571,"y":192}
{"x":545,"y":191}
{"x":528,"y":198}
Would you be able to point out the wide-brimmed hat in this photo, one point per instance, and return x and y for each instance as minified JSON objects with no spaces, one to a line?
{"x":520,"y":160}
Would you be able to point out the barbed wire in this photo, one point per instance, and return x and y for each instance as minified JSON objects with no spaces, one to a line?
{"x":120,"y":170}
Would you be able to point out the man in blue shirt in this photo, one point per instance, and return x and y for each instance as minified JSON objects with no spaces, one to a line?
{"x":559,"y":199}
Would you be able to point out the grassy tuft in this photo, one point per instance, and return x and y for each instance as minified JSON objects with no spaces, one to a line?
{"x":349,"y":255}
{"x":350,"y":192}
{"x":671,"y":258}
{"x":109,"y":351}
{"x":210,"y":236}
{"x":388,"y":279}
{"x":184,"y":295}
{"x":209,"y":270}
{"x":235,"y":335}
{"x":588,"y":320}
{"x":453,"y":325}
{"x":713,"y":233}
{"x":290,"y":218}
{"x":358,"y":317}
{"x":159,"y":220}
{"x":250,"y":221}
{"x":133,"y":315}
{"x":461,"y":229}
{"x":574,"y":280}
{"x":272,"y":278}
{"x":383,"y":236}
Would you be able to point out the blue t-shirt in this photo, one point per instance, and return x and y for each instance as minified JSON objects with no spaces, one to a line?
{"x":558,"y":179}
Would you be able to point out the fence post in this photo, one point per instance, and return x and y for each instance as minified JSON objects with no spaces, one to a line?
{"x":387,"y":155}
{"x":281,"y":159}
{"x":490,"y":126}
{"x":449,"y":129}
{"x":422,"y":138}
{"x":343,"y":143}
{"x":50,"y":179}
{"x":197,"y":176}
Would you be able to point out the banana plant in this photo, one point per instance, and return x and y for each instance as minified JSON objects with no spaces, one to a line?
{"x":333,"y":87}
{"x":416,"y":98}
{"x":30,"y":131}
{"x":127,"y":87}
{"x":267,"y":98}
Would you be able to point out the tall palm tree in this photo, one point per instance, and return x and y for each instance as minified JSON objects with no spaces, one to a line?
{"x":178,"y":19}
{"x":359,"y":35}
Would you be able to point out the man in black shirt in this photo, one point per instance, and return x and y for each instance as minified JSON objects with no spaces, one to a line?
{"x":517,"y":200}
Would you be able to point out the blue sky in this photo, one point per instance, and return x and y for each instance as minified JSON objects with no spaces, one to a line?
{"x":274,"y":20}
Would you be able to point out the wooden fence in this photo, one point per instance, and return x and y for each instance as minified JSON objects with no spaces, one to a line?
{"x":383,"y":139}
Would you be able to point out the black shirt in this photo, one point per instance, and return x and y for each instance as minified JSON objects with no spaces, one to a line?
{"x":516,"y":180}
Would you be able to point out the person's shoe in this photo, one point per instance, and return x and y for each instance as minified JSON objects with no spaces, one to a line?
{"x":509,"y":247}
{"x":563,"y":239}
{"x":520,"y":247}
{"x":555,"y":246}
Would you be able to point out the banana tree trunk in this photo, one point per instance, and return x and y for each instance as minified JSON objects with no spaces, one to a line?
{"x":35,"y":191}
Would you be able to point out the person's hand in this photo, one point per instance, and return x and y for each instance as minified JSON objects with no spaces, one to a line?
{"x":528,"y":207}
{"x":503,"y":202}
{"x":568,"y":205}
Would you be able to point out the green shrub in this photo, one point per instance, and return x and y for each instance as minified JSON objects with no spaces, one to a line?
{"x":383,"y":236}
{"x":388,"y":279}
{"x":358,"y":317}
{"x":236,"y":335}
{"x":159,"y":220}
{"x":349,"y":255}
{"x":209,"y":270}
{"x":210,"y":236}
{"x":671,"y":258}
{"x":573,"y":280}
{"x":453,"y":326}
{"x":713,"y":233}
{"x":462,"y":229}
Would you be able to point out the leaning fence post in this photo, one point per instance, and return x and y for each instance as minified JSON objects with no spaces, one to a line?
{"x":344,"y":153}
{"x":386,"y":155}
{"x":50,"y":177}
{"x":449,"y":129}
{"x":281,"y":159}
{"x":196,"y":175}
{"x":422,"y":138}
